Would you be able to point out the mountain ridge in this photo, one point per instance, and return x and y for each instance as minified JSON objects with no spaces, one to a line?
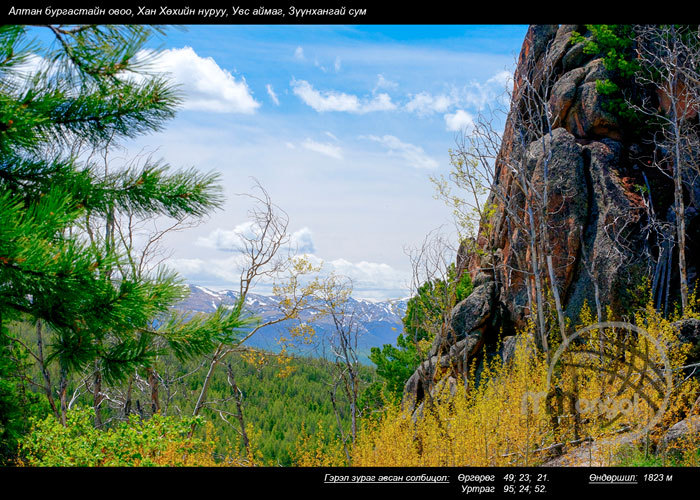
{"x":379,"y":321}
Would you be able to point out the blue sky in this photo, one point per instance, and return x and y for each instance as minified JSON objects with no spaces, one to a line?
{"x":343,"y":125}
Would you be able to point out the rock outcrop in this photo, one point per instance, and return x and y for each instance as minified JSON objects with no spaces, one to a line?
{"x":597,"y":177}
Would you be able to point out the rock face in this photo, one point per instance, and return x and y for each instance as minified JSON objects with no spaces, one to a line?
{"x":595,"y":170}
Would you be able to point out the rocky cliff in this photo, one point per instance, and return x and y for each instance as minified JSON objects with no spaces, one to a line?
{"x":602,"y":191}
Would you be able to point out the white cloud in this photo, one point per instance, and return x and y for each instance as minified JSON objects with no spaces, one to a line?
{"x":475,"y":95}
{"x":227,"y":240}
{"x":339,"y":101}
{"x":369,"y":279}
{"x":302,"y":241}
{"x":479,"y":95}
{"x":206,"y":86}
{"x":368,"y":274}
{"x":32,"y":65}
{"x":271,"y":93}
{"x":226,"y":272}
{"x":324,"y":148}
{"x":426,"y":104}
{"x":231,"y":240}
{"x":383,"y":83}
{"x":187,"y":267}
{"x":336,"y":64}
{"x":412,"y":154}
{"x":503,"y":78}
{"x":299,"y":53}
{"x":459,"y":120}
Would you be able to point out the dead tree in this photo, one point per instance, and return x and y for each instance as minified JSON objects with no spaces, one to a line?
{"x":432,"y":266}
{"x":669,"y":59}
{"x":265,"y":255}
{"x":334,"y":303}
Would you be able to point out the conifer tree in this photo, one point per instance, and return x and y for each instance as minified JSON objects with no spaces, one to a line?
{"x":78,"y":93}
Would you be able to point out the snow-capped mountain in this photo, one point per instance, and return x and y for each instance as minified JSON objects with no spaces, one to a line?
{"x":379,"y":322}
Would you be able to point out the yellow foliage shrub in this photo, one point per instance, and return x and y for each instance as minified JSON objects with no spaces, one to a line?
{"x":496,"y":423}
{"x":522,"y":412}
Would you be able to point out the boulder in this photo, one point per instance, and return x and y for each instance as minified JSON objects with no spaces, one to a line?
{"x":473,"y":312}
{"x":508,"y":348}
{"x":683,"y":434}
{"x":574,"y":57}
{"x":564,"y":94}
{"x":481,"y":279}
{"x":452,"y":352}
{"x":588,"y":117}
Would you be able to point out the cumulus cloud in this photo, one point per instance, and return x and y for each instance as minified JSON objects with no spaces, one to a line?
{"x":370,"y":279}
{"x":299,"y":53}
{"x":271,"y":93}
{"x":227,"y":240}
{"x":332,"y":100}
{"x":187,"y":267}
{"x":369,"y":274}
{"x":231,"y":240}
{"x":426,"y":104}
{"x":375,"y":280}
{"x":502,"y":78}
{"x":478,"y":95}
{"x":219,"y":272}
{"x":459,"y":120}
{"x":412,"y":154}
{"x":206,"y":86}
{"x":324,"y":148}
{"x":302,"y":241}
{"x":384,"y":83}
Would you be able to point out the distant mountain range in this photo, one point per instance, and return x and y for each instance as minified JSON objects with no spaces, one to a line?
{"x":379,"y":322}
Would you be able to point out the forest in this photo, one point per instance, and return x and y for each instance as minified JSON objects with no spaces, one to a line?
{"x":562,"y":328}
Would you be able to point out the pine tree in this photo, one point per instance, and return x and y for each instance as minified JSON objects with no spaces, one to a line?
{"x":79,"y":93}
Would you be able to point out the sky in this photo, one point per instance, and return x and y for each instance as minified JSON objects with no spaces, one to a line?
{"x":342,"y":125}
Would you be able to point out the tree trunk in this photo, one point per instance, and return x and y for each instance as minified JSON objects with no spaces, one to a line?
{"x":97,"y":396}
{"x":239,"y":408}
{"x":62,"y":388}
{"x":153,"y":384}
{"x":680,"y":216}
{"x":44,"y":370}
{"x":127,"y":402}
{"x":216,"y":359}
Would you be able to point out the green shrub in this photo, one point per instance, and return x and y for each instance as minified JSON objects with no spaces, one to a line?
{"x":158,"y":441}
